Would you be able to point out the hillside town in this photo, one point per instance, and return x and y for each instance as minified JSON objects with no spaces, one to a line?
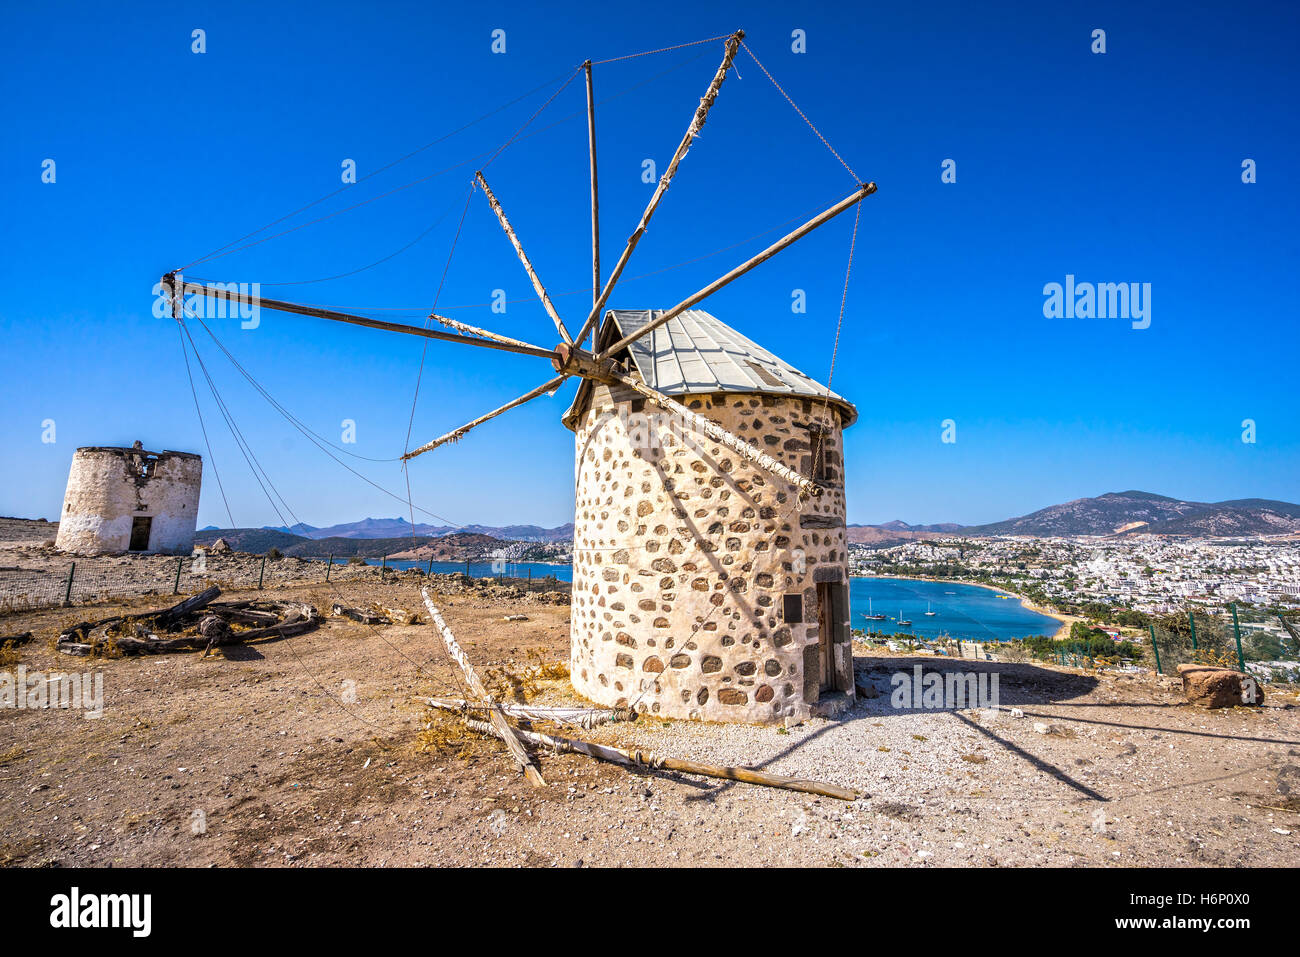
{"x":1150,"y":574}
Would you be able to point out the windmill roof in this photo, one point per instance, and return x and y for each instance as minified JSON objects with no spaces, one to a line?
{"x":696,"y":352}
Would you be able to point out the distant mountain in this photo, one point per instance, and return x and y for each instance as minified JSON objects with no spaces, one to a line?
{"x":1134,"y":513}
{"x":454,"y":547}
{"x":379,"y":528}
{"x":1115,"y":513}
{"x":898,"y":531}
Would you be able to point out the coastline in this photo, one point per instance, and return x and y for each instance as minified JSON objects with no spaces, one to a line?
{"x":1066,"y":620}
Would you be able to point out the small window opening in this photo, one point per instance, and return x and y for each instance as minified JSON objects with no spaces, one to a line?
{"x":792,"y":611}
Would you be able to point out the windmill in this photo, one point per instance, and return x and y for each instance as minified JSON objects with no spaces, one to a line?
{"x":710,"y":576}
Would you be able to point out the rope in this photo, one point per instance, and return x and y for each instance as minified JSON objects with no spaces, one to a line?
{"x":504,"y":146}
{"x":678,"y":46}
{"x":387,"y":166}
{"x":378,"y":262}
{"x":227,"y":250}
{"x":427,"y":323}
{"x":256,"y":466}
{"x":180,"y":331}
{"x":801,"y":113}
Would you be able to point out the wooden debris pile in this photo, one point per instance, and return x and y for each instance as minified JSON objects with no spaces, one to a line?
{"x":376,"y":614}
{"x":486,"y":715}
{"x":196,"y":624}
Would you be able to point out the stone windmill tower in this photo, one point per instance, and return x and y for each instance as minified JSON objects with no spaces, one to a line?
{"x":704,"y":584}
{"x":710,"y":576}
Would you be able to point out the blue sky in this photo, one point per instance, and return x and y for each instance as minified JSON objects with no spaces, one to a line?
{"x":1117,"y":167}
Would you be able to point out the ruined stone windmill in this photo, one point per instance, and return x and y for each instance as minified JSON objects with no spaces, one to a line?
{"x":710,"y":560}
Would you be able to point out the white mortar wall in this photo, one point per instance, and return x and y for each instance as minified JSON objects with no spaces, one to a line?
{"x":106,"y":492}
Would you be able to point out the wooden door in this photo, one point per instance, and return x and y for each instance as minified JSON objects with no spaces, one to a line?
{"x":826,"y":635}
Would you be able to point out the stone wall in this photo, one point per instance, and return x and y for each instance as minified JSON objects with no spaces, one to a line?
{"x":684,"y":554}
{"x":109,"y":487}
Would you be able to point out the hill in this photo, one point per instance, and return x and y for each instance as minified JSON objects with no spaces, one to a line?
{"x":1135,"y":512}
{"x":384,"y":528}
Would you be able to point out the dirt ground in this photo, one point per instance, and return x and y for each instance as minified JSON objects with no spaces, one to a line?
{"x":312,"y":751}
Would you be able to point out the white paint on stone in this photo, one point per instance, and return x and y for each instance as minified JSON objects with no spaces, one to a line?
{"x":683,"y":553}
{"x":108,"y":488}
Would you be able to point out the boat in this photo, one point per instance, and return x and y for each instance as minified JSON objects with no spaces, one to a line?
{"x":902,"y":620}
{"x":872,"y":617}
{"x":928,"y":612}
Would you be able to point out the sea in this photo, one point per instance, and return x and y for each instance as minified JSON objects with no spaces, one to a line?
{"x":968,"y":612}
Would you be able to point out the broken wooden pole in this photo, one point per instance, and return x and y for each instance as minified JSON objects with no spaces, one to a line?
{"x":456,"y":434}
{"x":665,"y":180}
{"x":807,"y":488}
{"x":475,"y":330}
{"x":582,"y":717}
{"x":647,"y":759}
{"x":219,"y":292}
{"x":498,"y":723}
{"x":542,"y":294}
{"x":820,"y":219}
{"x":595,"y":204}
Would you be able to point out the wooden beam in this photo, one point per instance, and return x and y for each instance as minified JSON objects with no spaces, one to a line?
{"x":648,"y":759}
{"x":595,"y":203}
{"x":498,"y":723}
{"x":697,"y":121}
{"x":580,"y":717}
{"x":456,"y":434}
{"x":820,"y":219}
{"x":542,"y":294}
{"x":465,"y":327}
{"x":751,"y":453}
{"x":234,"y":296}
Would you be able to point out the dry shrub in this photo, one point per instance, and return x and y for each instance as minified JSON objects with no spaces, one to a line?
{"x":8,"y":655}
{"x":443,"y":733}
{"x":521,"y":687}
{"x":1207,"y":656}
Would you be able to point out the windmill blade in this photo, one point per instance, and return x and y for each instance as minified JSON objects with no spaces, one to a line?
{"x":821,"y":218}
{"x":595,"y":194}
{"x":229,"y":292}
{"x":457,"y":434}
{"x":474,"y":330}
{"x":697,"y":121}
{"x":806,"y":487}
{"x":542,"y":294}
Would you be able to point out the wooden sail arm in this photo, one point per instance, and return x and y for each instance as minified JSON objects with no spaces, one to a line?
{"x":542,"y":294}
{"x":500,"y":726}
{"x":595,"y":196}
{"x":751,"y":453}
{"x":820,"y":219}
{"x":233,"y":295}
{"x":692,"y":131}
{"x":457,"y":434}
{"x":466,"y":328}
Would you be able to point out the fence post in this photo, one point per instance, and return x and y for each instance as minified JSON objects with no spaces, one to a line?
{"x":1236,"y":628}
{"x":176,"y":586}
{"x":1156,"y":649}
{"x":467,"y":568}
{"x":67,"y":592}
{"x":429,"y":570}
{"x":383,"y":566}
{"x":262,"y":574}
{"x":329,"y":568}
{"x":1191,"y":619}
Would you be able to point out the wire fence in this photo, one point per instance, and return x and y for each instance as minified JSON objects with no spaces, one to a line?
{"x":88,"y":582}
{"x":1267,"y":644}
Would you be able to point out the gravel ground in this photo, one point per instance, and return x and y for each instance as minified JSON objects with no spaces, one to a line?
{"x":1100,"y":770}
